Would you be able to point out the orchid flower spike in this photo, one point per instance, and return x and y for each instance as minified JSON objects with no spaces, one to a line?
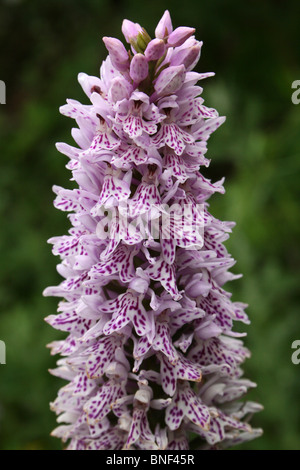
{"x":150,"y":356}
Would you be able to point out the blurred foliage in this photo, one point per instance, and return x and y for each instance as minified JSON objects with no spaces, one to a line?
{"x":254,"y":49}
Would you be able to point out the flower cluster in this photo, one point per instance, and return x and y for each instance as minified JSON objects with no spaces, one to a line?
{"x":150,"y":357}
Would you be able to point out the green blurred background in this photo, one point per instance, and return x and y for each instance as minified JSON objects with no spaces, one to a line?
{"x":254,"y":49}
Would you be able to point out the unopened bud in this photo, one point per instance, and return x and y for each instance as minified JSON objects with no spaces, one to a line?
{"x":131,"y":30}
{"x":139,"y":68}
{"x":180,"y":35}
{"x":164,"y":27}
{"x":187,"y":57}
{"x":135,"y":35}
{"x":117,"y":52}
{"x":155,"y":49}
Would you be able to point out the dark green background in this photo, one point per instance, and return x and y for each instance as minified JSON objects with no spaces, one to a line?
{"x":254,"y":49}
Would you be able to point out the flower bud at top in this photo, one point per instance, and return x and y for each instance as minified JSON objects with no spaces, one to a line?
{"x":155,"y":49}
{"x":131,"y":30}
{"x":164,"y":27}
{"x":188,"y":56}
{"x":135,"y":35}
{"x":180,"y":35}
{"x":138,"y":68}
{"x":117,"y":52}
{"x":170,"y":80}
